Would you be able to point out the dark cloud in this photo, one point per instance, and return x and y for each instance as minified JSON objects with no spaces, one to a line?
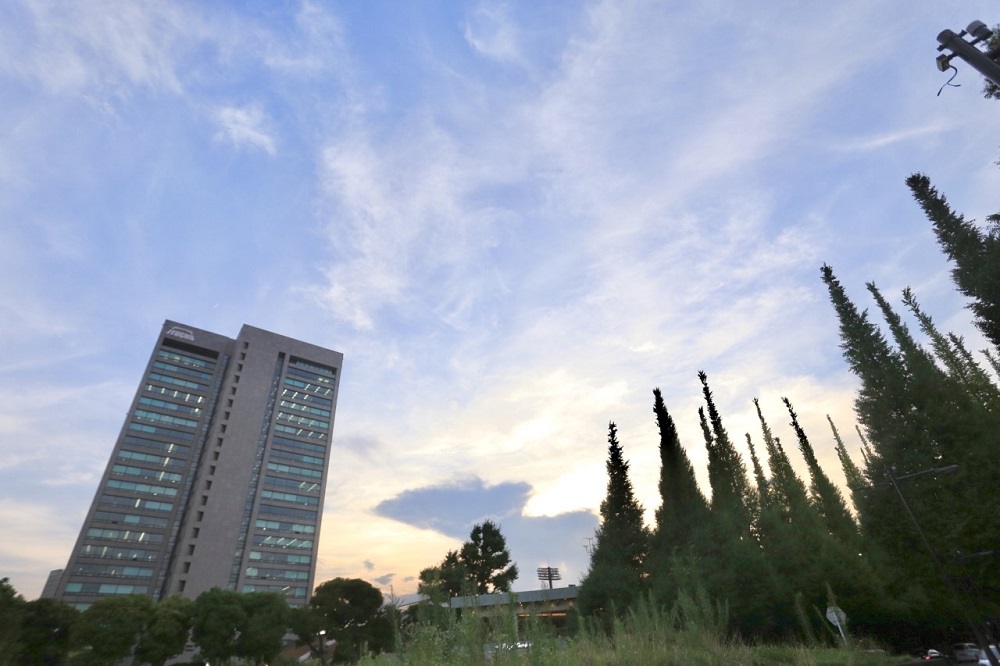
{"x":454,"y":508}
{"x":369,"y":565}
{"x":385,"y":580}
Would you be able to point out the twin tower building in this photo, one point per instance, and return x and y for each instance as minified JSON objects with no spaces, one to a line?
{"x":218,"y":476}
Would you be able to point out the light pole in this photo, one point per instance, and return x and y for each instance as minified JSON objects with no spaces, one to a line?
{"x":983,"y":62}
{"x":890,"y":471}
{"x":322,"y":646}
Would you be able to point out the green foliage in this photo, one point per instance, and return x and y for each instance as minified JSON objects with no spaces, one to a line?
{"x":45,"y":632}
{"x":682,"y":506}
{"x":11,"y":613}
{"x":106,"y":632}
{"x":266,"y":622}
{"x":216,"y":621}
{"x":351,"y":612}
{"x":482,"y":566}
{"x":487,"y":560}
{"x":615,"y":577}
{"x":167,"y":631}
{"x":922,"y":409}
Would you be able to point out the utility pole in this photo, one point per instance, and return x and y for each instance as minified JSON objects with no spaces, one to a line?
{"x":984,"y":62}
{"x":974,"y":626}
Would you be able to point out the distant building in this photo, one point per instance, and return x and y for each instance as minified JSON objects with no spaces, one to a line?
{"x":51,"y":584}
{"x":218,"y":476}
{"x":552,"y":606}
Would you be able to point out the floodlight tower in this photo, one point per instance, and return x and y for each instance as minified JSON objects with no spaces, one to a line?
{"x":984,"y":62}
{"x":548,"y":574}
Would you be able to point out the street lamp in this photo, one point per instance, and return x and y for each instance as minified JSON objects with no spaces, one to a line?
{"x":890,"y":472}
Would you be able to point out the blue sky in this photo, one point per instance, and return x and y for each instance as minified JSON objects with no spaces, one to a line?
{"x":513,"y":218}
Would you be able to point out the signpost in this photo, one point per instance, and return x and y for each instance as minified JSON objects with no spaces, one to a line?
{"x":839,"y":619}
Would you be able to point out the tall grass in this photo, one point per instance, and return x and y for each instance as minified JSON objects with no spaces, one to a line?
{"x":693,"y":633}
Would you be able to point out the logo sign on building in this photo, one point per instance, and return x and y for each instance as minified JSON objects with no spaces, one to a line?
{"x":182,"y":333}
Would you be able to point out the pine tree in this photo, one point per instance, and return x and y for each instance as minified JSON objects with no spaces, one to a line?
{"x":852,"y":473}
{"x":734,"y":567}
{"x":615,"y":580}
{"x":487,"y":561}
{"x":975,"y":253}
{"x":682,"y":509}
{"x":826,"y":496}
{"x":731,"y":492}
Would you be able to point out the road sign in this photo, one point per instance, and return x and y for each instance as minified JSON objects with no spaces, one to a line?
{"x":838,"y":618}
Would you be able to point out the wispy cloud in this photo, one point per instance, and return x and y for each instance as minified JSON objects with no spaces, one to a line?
{"x":490,"y":30}
{"x":246,"y":126}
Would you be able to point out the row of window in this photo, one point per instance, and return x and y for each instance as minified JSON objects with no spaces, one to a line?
{"x":129,"y":519}
{"x":184,"y":359}
{"x":177,"y":381}
{"x":117,"y":553}
{"x":302,"y":396}
{"x":144,"y":473}
{"x":292,"y":469}
{"x":299,"y":432}
{"x":176,"y":394}
{"x":297,"y":457}
{"x":297,"y":362}
{"x":170,"y":406}
{"x":184,"y":372}
{"x":281,"y":526}
{"x":274,"y":541}
{"x":124,"y":535}
{"x":290,"y":497}
{"x":317,"y":411}
{"x":277,"y":574}
{"x":287,"y":592}
{"x":296,"y":444}
{"x":145,"y":488}
{"x":162,"y":432}
{"x":166,"y":447}
{"x":162,"y":461}
{"x":279,"y":558}
{"x":304,"y":420}
{"x":165,"y":418}
{"x":318,"y":389}
{"x":294,"y":484}
{"x":104,"y":589}
{"x":112,"y":571}
{"x":301,"y":514}
{"x":309,"y":376}
{"x":136,"y":503}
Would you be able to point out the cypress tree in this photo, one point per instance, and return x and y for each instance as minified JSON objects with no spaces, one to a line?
{"x":727,"y":474}
{"x":974,"y":252}
{"x":615,"y":579}
{"x":682,"y":509}
{"x":855,"y":479}
{"x":826,"y":496}
{"x":734,"y":566}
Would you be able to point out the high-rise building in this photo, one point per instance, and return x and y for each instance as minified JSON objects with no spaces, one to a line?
{"x":218,"y":476}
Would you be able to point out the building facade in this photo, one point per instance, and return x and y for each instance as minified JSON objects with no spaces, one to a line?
{"x":218,"y":476}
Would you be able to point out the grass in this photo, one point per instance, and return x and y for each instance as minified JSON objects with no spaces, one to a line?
{"x":692,"y":634}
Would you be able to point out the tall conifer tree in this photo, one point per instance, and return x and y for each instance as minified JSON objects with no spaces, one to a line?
{"x":615,"y":578}
{"x":682,"y":511}
{"x":826,"y":496}
{"x":975,"y":253}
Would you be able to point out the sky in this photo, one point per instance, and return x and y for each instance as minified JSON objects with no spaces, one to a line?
{"x":514,"y":219}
